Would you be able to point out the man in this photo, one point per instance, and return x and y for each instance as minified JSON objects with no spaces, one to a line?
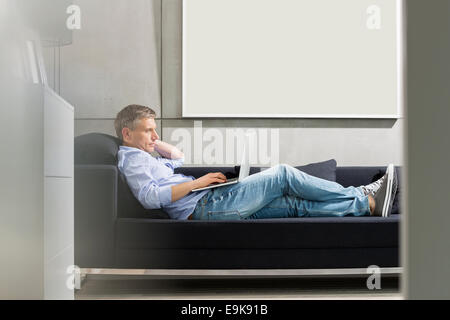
{"x":279,"y":192}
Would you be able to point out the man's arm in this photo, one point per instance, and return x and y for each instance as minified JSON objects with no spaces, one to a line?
{"x":168,"y":151}
{"x":182,"y":189}
{"x":179,"y":191}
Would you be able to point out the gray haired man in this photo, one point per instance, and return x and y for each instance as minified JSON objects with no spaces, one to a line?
{"x":279,"y":192}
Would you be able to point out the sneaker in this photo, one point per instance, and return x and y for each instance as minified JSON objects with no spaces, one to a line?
{"x":393,"y":191}
{"x":372,"y":189}
{"x":384,"y":198}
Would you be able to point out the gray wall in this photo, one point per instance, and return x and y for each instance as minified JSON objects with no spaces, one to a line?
{"x":426,"y":230}
{"x":130,"y":52}
{"x":48,"y":17}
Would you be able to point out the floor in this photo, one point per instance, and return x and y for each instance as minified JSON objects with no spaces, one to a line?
{"x":138,"y":287}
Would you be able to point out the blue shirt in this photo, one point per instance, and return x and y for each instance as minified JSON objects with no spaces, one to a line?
{"x":151,"y":180}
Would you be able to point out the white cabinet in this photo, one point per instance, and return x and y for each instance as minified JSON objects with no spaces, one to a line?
{"x":58,"y":196}
{"x":58,"y":216}
{"x":58,"y":136}
{"x":58,"y":277}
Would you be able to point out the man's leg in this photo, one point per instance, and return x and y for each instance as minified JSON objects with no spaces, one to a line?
{"x":305,"y":186}
{"x":239,"y":201}
{"x":293,"y":207}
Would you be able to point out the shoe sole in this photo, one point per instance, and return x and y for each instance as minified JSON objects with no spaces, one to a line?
{"x":387,"y":198}
{"x":393,"y":192}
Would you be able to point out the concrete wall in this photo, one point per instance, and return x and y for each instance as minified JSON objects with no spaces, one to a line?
{"x":130,"y":52}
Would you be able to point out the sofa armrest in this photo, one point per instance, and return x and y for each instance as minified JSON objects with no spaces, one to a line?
{"x":95,"y":215}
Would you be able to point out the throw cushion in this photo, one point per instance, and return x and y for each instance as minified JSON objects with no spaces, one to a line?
{"x":324,"y":170}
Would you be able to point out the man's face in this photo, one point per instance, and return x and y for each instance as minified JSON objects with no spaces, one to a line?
{"x":143,"y":137}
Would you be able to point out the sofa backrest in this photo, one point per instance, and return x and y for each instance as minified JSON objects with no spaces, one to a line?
{"x":97,"y":149}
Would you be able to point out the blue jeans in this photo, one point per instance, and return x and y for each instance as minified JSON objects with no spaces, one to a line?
{"x":281,"y":192}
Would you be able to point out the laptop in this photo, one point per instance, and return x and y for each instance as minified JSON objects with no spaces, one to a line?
{"x":243,"y":172}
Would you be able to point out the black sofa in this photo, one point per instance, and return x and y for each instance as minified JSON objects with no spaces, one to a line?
{"x":112,"y":230}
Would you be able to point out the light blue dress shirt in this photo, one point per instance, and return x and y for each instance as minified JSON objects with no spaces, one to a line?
{"x":151,"y":180}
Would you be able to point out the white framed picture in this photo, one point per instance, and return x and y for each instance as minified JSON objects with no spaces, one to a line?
{"x":293,"y":58}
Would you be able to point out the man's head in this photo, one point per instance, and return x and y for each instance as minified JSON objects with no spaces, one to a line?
{"x":135,"y":125}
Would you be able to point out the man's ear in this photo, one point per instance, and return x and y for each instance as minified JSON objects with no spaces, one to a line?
{"x":126,"y":134}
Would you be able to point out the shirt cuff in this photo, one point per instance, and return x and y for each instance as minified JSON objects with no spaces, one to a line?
{"x":181,"y":160}
{"x":165,"y":195}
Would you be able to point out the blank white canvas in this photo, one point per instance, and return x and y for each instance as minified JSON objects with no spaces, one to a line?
{"x":291,"y":58}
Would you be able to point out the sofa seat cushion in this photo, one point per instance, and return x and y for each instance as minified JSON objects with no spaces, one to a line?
{"x":308,"y":233}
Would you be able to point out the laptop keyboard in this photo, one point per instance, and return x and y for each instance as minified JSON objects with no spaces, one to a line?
{"x":228,"y":180}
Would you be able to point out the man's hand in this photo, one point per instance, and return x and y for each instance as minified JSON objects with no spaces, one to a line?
{"x":182,"y":189}
{"x":210,"y":178}
{"x":168,"y":151}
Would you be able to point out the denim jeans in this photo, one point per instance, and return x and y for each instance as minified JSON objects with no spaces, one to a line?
{"x":281,"y":192}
